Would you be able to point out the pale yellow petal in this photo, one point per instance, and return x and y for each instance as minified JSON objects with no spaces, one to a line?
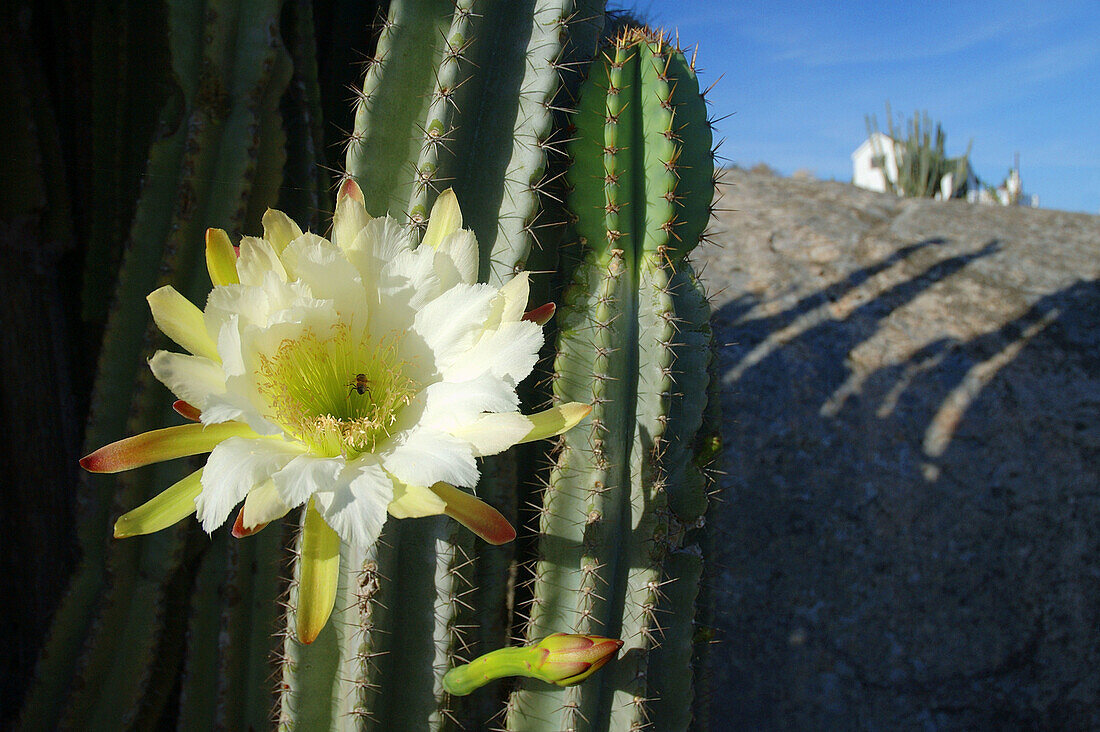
{"x":514,"y":295}
{"x":475,"y":514}
{"x":263,"y":505}
{"x":221,"y":258}
{"x":556,"y":420}
{"x":179,"y":319}
{"x":319,"y":574}
{"x":413,"y":501}
{"x":160,"y":445}
{"x":349,"y":219}
{"x":279,"y":229}
{"x":166,"y":508}
{"x":445,"y":218}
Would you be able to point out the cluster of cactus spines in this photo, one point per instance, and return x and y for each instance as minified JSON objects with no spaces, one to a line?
{"x":508,"y":182}
{"x":119,"y":637}
{"x":616,"y":551}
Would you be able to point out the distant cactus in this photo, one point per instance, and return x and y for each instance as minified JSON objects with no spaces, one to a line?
{"x":922,"y":162}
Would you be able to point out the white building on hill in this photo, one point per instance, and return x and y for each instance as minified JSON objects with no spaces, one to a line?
{"x":866,"y":170}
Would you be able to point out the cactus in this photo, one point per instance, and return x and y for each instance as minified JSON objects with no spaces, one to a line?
{"x":455,"y":74}
{"x":174,"y":629}
{"x":922,"y":165}
{"x":119,"y":637}
{"x":617,"y":554}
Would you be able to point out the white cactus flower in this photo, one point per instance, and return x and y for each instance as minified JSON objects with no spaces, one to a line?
{"x":359,"y":377}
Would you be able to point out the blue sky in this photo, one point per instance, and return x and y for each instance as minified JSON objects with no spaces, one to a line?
{"x":798,"y":78}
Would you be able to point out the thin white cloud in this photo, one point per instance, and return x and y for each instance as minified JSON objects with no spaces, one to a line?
{"x":1054,"y":62}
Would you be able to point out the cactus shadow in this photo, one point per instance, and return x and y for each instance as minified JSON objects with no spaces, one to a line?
{"x":913,"y":544}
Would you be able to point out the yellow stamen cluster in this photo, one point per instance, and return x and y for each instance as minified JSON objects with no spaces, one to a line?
{"x":312,"y":385}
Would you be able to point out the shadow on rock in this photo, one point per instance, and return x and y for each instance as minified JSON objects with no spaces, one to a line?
{"x":916,"y":545}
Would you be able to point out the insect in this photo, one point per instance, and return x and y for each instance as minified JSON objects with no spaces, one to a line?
{"x":361,"y":384}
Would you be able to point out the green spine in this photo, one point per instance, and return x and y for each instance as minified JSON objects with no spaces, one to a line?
{"x":616,"y":556}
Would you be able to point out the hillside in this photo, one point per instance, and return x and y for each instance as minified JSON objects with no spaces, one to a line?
{"x":910,"y":533}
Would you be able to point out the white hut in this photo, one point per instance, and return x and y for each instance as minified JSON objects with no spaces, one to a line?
{"x":871,"y":171}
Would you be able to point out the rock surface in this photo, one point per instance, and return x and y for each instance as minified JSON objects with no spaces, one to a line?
{"x":910,"y":534}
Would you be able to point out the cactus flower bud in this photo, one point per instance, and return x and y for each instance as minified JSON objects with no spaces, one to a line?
{"x":570,"y":659}
{"x":562,"y":658}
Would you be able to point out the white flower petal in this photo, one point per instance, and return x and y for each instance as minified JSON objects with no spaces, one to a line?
{"x":323,"y":267}
{"x":490,"y":434}
{"x":229,"y":346}
{"x":426,"y":457}
{"x":191,"y":378}
{"x":236,"y":466}
{"x":356,"y":507}
{"x":456,"y":259}
{"x":449,"y":405}
{"x":289,"y":255}
{"x":509,"y":352}
{"x":255,"y":305}
{"x":410,"y":276}
{"x":257,"y":259}
{"x":381,"y":240}
{"x":390,"y":293}
{"x":234,"y":407}
{"x":305,"y":475}
{"x":452,"y":323}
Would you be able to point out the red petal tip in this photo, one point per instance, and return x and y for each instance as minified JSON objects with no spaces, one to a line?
{"x":350,"y":189}
{"x":542,"y":314}
{"x":507,"y":534}
{"x":187,"y":411}
{"x":239,"y":529}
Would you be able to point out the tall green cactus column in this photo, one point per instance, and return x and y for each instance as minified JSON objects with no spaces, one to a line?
{"x":459,"y":94}
{"x":618,"y":548}
{"x":135,"y":615}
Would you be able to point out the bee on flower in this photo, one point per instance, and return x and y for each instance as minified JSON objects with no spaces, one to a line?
{"x":359,"y":377}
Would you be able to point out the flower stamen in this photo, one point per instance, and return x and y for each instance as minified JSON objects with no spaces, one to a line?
{"x":341,"y":394}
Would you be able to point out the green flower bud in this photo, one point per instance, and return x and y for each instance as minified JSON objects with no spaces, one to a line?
{"x":562,"y":658}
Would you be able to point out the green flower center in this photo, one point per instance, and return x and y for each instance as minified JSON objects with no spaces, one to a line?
{"x":339,"y":395}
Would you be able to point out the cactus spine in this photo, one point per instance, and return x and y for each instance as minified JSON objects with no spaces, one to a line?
{"x":617,"y":554}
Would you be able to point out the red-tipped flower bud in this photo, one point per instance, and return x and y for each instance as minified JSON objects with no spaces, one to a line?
{"x":562,"y":658}
{"x":571,"y":658}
